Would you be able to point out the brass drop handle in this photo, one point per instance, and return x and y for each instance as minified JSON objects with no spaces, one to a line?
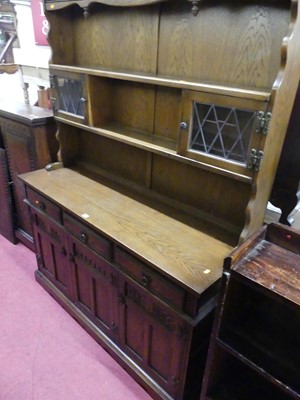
{"x":40,"y":205}
{"x":145,"y":281}
{"x":83,"y":237}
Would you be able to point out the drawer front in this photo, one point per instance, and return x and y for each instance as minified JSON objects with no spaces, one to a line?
{"x":42,"y":203}
{"x":155,"y":283}
{"x":88,"y":236}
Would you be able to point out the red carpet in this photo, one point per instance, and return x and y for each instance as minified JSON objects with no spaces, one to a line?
{"x":44,"y":353}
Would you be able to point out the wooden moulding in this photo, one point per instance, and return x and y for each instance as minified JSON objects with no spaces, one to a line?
{"x":57,"y":4}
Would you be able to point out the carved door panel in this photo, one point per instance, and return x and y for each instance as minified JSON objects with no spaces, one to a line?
{"x":154,"y":336}
{"x":95,"y":284}
{"x":19,"y":144}
{"x":50,"y":241}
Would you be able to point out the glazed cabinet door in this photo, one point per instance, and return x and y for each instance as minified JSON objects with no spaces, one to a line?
{"x":69,"y":95}
{"x":223,"y":131}
{"x":154,"y":336}
{"x":95,"y":284}
{"x":51,"y":251}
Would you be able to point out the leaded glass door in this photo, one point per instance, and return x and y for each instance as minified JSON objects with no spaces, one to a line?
{"x":220,"y":130}
{"x":69,"y":95}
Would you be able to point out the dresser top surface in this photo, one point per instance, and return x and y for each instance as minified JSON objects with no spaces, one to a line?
{"x":184,"y":253}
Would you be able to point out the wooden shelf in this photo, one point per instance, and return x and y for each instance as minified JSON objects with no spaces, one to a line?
{"x":154,"y":144}
{"x":239,"y":381}
{"x":245,"y":93}
{"x":262,"y":372}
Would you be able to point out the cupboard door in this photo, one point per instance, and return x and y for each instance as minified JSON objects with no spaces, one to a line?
{"x":154,"y":336}
{"x":95,"y":287}
{"x":51,"y":249}
{"x":223,"y":131}
{"x":69,"y":95}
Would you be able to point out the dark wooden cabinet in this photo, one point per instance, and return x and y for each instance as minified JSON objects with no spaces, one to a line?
{"x":157,"y":327}
{"x":29,"y":139}
{"x":254,"y":349}
{"x":170,"y":121}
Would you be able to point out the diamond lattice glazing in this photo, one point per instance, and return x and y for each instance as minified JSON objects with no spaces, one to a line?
{"x":221,"y":131}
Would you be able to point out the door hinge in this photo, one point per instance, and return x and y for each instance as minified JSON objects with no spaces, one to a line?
{"x":51,"y":81}
{"x":53,"y":102}
{"x":255,"y":159}
{"x":263,"y":122}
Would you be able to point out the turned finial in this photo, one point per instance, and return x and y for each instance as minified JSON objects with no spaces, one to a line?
{"x":86,"y":12}
{"x":195,"y":6}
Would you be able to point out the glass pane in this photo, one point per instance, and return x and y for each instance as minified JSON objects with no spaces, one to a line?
{"x":70,"y":93}
{"x":221,"y":131}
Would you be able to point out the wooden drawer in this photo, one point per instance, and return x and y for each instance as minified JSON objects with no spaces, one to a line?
{"x":42,"y":203}
{"x":88,"y":236}
{"x":155,"y":283}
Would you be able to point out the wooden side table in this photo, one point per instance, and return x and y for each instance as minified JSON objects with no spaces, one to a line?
{"x":29,"y":140}
{"x":253,"y":352}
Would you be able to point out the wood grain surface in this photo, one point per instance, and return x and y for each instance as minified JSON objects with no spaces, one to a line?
{"x":273,"y":267}
{"x":183,"y":253}
{"x":231,"y":42}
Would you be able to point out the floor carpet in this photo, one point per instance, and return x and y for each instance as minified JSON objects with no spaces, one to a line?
{"x":44,"y":353}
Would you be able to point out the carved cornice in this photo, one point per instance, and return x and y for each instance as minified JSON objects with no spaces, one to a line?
{"x":195,"y":6}
{"x":84,"y":4}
